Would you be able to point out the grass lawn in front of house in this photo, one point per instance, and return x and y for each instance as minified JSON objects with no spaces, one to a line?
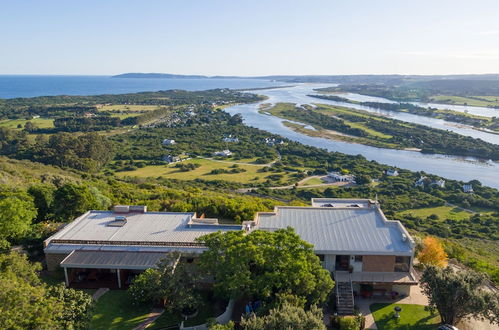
{"x":413,"y":317}
{"x":114,"y":310}
{"x":443,"y":212}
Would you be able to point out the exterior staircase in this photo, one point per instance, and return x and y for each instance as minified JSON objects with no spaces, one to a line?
{"x":344,"y":295}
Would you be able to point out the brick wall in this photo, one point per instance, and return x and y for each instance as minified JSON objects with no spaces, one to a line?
{"x":53,"y":260}
{"x":378,"y":263}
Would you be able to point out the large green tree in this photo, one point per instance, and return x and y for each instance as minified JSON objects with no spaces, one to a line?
{"x":459,"y":295}
{"x":27,"y":303}
{"x":171,"y":283}
{"x":72,"y":200}
{"x":286,"y":317}
{"x":16,"y":213}
{"x":263,"y":264}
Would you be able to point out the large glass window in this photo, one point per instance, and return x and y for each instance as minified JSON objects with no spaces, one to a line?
{"x":402,"y":263}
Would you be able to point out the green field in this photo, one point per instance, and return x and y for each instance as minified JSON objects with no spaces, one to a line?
{"x":203,"y":172}
{"x":40,"y":122}
{"x":312,"y":181}
{"x":477,"y":101}
{"x":413,"y":317}
{"x":443,"y":212}
{"x":128,"y":107}
{"x":114,"y":310}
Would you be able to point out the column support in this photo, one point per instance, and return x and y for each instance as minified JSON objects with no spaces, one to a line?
{"x":119,"y":278}
{"x":66,"y":276}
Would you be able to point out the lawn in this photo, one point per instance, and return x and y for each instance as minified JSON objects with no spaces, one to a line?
{"x":40,"y":122}
{"x":412,"y":317}
{"x":202,"y":172}
{"x":312,"y":181}
{"x":128,"y":107}
{"x":114,"y":310}
{"x":477,"y":101}
{"x":443,"y":212}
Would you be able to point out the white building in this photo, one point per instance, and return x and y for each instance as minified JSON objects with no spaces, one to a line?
{"x":440,"y":183}
{"x":468,"y":188}
{"x":392,"y":172}
{"x":171,"y":159}
{"x":421,"y":181}
{"x":223,"y":153}
{"x":230,"y":139}
{"x":168,"y":142}
{"x":338,"y":177}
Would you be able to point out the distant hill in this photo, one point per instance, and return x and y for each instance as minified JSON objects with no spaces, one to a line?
{"x":169,"y":76}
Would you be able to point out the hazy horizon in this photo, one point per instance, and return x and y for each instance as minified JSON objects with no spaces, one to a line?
{"x":255,"y":38}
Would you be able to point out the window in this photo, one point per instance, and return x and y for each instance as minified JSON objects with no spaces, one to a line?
{"x":358,"y":258}
{"x":402,"y":263}
{"x":321,"y":257}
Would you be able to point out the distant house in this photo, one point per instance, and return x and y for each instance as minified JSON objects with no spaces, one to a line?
{"x":35,"y":117}
{"x":392,"y":172}
{"x":440,"y":183}
{"x":168,"y":142}
{"x":223,"y":153}
{"x":230,"y":139}
{"x":171,"y":159}
{"x":468,"y":188}
{"x":338,"y":177}
{"x":421,"y":181}
{"x":272,"y":142}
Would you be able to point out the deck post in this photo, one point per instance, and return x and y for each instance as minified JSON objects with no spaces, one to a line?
{"x":119,"y":278}
{"x":66,"y":276}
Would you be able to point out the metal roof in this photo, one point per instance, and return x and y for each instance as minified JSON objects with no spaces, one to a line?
{"x":149,"y":227}
{"x":341,"y":230}
{"x":113,"y":259}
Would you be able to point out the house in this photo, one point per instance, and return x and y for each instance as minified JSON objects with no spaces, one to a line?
{"x":168,"y":142}
{"x":440,"y":183}
{"x":366,"y":253}
{"x":108,"y":248}
{"x":272,"y":142}
{"x":230,"y":139}
{"x":468,"y":188}
{"x":223,"y":153}
{"x":421,"y":181}
{"x":338,"y":177}
{"x":392,"y":172}
{"x":171,"y":159}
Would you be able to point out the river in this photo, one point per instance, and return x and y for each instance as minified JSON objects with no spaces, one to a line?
{"x":452,"y":167}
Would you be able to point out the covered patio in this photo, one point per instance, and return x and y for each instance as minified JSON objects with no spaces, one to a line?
{"x":111,"y":269}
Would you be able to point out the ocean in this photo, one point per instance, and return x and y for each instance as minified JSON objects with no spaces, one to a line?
{"x":12,"y":86}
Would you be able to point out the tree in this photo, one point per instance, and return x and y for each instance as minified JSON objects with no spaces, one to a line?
{"x":16,"y":214}
{"x":363,"y":179}
{"x":263,"y":264}
{"x":171,"y":282}
{"x":457,"y":296}
{"x":27,"y":303}
{"x":71,"y":200}
{"x":433,"y":253}
{"x":77,"y":306}
{"x":286,"y":317}
{"x":43,"y":198}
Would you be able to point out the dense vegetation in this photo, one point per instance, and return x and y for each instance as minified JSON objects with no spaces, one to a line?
{"x":399,"y":133}
{"x":454,"y":116}
{"x":80,"y":173}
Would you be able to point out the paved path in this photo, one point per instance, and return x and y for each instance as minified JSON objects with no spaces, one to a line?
{"x":99,"y":293}
{"x":153,"y":315}
{"x":300,"y":185}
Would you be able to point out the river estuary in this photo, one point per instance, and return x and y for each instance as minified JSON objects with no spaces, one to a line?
{"x":452,"y":167}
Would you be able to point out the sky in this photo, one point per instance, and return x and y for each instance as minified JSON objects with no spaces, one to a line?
{"x":249,"y":38}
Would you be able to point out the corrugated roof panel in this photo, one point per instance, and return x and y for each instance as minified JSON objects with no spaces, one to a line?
{"x":346,"y":229}
{"x":113,"y":259}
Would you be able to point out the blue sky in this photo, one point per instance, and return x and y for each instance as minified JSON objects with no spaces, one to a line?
{"x":249,"y":37}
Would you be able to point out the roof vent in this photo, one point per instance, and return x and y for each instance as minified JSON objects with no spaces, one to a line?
{"x":118,"y":221}
{"x":121,"y":208}
{"x":138,"y":208}
{"x":404,"y":237}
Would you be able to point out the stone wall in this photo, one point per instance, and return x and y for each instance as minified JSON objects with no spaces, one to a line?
{"x":378,"y":263}
{"x":53,"y":260}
